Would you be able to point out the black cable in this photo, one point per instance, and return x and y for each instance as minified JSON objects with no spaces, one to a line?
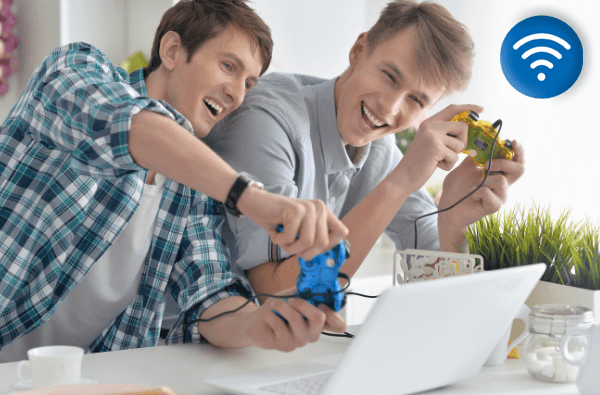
{"x":345,"y":334}
{"x":363,"y":295}
{"x":470,"y":193}
{"x":296,"y":295}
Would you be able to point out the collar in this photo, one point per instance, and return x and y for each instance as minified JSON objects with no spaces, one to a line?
{"x":136,"y":81}
{"x":335,"y":155}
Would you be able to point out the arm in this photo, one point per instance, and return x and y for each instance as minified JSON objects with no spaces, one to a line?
{"x":437,"y":144}
{"x":366,"y":222}
{"x":157,"y":143}
{"x":203,"y":285}
{"x":84,"y":106}
{"x":259,"y":326}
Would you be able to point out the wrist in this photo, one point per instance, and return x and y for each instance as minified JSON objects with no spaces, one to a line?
{"x":238,"y":195}
{"x":409,"y":176}
{"x":252,"y":195}
{"x":452,"y":238}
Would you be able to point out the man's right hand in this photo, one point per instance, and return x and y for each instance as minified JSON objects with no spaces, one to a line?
{"x":305,"y":323}
{"x":309,"y":226}
{"x":437,"y":144}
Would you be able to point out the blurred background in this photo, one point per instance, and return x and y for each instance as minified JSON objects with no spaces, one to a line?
{"x":314,"y":36}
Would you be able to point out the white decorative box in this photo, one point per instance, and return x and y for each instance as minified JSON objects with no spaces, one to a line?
{"x":420,"y":265}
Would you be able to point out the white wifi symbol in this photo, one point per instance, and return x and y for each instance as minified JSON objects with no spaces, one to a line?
{"x":542,"y":62}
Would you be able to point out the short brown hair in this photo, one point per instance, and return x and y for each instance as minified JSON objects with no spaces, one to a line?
{"x":445,"y":49}
{"x":197,"y":21}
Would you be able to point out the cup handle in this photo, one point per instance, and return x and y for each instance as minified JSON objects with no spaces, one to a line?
{"x":569,"y":356}
{"x":523,"y":315}
{"x":20,"y":367}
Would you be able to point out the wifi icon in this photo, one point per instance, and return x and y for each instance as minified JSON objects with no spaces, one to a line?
{"x":541,"y":57}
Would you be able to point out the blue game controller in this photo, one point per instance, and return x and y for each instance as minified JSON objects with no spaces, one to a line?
{"x":320,"y":276}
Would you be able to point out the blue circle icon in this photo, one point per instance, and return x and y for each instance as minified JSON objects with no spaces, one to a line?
{"x":541,"y":57}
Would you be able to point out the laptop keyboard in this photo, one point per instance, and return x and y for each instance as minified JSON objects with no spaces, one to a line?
{"x":312,"y":385}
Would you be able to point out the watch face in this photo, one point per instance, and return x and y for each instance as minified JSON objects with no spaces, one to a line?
{"x":251,"y":180}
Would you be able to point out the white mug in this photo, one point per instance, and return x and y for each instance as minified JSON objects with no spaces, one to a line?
{"x":586,"y":355}
{"x":502,"y":349}
{"x":52,"y":365}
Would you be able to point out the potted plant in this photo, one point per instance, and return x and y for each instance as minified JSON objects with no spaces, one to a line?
{"x":570,"y":251}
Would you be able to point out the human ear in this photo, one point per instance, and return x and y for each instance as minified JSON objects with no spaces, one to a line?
{"x":358,"y":49}
{"x":170,"y":46}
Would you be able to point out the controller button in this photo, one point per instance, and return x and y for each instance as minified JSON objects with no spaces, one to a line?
{"x":330,"y":262}
{"x":508,"y":144}
{"x":474,"y":116}
{"x":472,"y":153}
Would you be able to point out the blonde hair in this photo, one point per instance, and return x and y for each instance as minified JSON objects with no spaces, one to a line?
{"x":445,"y":48}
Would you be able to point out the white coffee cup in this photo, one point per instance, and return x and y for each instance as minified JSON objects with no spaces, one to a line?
{"x":52,"y":365}
{"x":502,"y":349}
{"x":581,"y":347}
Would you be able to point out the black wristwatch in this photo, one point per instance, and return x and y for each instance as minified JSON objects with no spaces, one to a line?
{"x":243,"y":181}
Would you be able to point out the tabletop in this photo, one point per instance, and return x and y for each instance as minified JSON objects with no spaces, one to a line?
{"x":183,"y":367}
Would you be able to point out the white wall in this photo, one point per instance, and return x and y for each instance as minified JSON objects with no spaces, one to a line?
{"x":38,"y":34}
{"x":117,"y":27}
{"x":312,"y":36}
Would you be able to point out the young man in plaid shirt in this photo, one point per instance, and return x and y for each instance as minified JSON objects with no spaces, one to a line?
{"x":108,"y":200}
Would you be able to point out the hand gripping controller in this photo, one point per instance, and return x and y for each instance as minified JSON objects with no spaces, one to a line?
{"x":320,"y":276}
{"x":481,"y":137}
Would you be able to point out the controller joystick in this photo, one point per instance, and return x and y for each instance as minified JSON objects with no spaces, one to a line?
{"x":481,"y":137}
{"x":320,"y":276}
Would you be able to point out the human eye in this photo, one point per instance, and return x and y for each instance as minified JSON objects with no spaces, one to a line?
{"x":390,"y":76}
{"x":248,"y":84}
{"x":227,"y":66}
{"x":419,"y":102}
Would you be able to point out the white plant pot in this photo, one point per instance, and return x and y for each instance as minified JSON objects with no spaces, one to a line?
{"x":550,"y":293}
{"x":545,"y":293}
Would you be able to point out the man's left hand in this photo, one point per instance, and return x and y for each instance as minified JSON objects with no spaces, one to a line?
{"x":486,"y":200}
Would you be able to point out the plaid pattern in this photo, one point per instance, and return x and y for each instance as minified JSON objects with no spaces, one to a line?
{"x":68,"y":186}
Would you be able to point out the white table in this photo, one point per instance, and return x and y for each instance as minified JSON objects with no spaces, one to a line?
{"x":183,"y":367}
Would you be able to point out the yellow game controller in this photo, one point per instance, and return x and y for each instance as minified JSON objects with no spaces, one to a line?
{"x":481,"y":137}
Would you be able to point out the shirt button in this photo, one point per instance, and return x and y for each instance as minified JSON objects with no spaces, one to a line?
{"x":332,"y":199}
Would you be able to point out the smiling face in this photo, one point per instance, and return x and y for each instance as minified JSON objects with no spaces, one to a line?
{"x":213,"y":83}
{"x":382,"y":91}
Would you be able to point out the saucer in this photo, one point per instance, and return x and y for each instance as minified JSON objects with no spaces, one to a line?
{"x":98,"y":389}
{"x":20,"y":386}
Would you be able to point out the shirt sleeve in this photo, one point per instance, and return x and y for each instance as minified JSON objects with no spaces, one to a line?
{"x":83,"y":104}
{"x":202,"y":275}
{"x":257,"y":140}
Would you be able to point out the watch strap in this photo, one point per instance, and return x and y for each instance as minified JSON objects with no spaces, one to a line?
{"x":239,"y":186}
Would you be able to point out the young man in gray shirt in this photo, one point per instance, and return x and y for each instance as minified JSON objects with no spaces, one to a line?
{"x":333,"y":140}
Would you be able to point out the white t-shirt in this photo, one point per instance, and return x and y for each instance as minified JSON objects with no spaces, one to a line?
{"x":106,"y":290}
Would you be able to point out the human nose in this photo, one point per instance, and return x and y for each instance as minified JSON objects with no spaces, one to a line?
{"x":392,"y":103}
{"x":235,"y":92}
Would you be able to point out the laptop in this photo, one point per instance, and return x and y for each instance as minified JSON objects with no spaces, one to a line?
{"x":418,"y":336}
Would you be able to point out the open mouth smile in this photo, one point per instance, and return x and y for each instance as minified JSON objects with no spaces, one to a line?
{"x":370,"y":119}
{"x":213,"y":107}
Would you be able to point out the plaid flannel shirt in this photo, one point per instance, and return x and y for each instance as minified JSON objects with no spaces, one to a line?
{"x":68,"y":187}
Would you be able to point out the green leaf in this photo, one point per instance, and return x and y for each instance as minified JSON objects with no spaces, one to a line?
{"x":519,"y":236}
